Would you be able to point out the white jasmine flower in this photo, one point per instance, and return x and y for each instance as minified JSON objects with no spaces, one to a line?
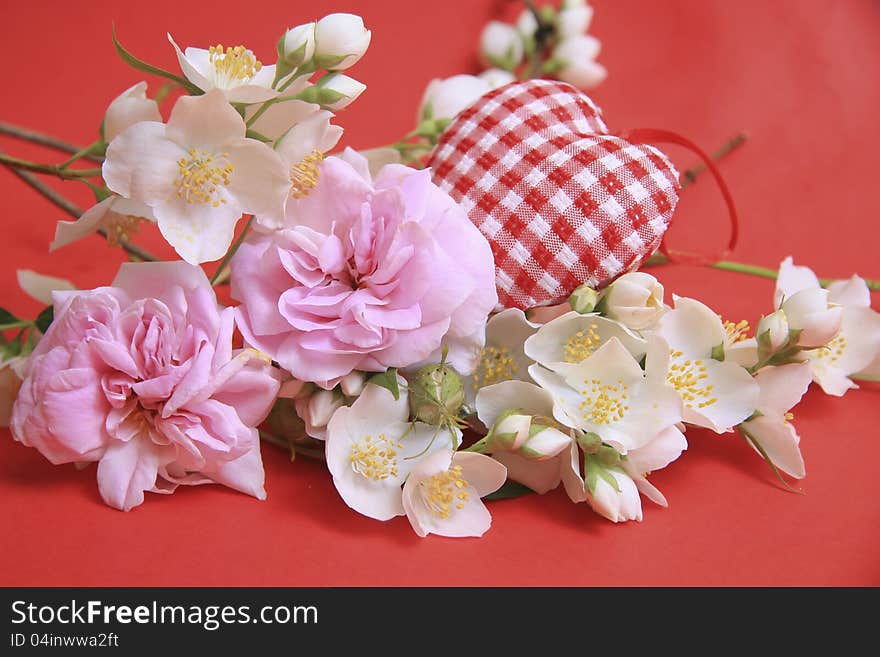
{"x":502,"y":358}
{"x":234,"y":70}
{"x":845,"y":352}
{"x":572,"y":337}
{"x":716,"y":395}
{"x":118,"y":217}
{"x":302,"y":150}
{"x":198,"y":173}
{"x":609,"y":395}
{"x":371,"y":448}
{"x":442,"y":493}
{"x":781,"y":389}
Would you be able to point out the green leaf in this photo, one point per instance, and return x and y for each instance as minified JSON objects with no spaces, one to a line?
{"x":509,"y":490}
{"x":718,"y":352}
{"x":7,"y":317}
{"x":387,"y":380}
{"x":327,"y":62}
{"x":591,"y":473}
{"x":142,"y":66}
{"x":44,"y":319}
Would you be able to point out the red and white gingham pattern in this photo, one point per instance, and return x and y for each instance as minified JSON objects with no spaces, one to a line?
{"x":561,"y":201}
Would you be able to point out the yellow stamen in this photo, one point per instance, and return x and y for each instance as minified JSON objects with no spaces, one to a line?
{"x":120,"y":228}
{"x":737,"y":332}
{"x":235,"y":63}
{"x":304,"y":174}
{"x":201,"y":175}
{"x":375,"y":459}
{"x":689,"y":379}
{"x":496,"y":365}
{"x":833,"y":350}
{"x":580,"y":345}
{"x":604,"y":403}
{"x":445,"y":492}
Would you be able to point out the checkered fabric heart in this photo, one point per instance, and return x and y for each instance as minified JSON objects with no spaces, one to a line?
{"x":561,"y":201}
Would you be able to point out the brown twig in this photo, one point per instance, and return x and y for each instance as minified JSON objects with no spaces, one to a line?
{"x":689,"y":176}
{"x":45,"y":140}
{"x":75,"y":211}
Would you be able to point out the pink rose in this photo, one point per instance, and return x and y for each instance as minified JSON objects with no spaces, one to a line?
{"x":366,"y":275}
{"x":141,"y":377}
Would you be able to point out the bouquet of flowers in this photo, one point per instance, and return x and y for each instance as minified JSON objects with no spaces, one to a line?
{"x":459,"y":316}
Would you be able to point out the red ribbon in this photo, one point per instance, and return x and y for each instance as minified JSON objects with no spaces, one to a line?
{"x":646,"y":135}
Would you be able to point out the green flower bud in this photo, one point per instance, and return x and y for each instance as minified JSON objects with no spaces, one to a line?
{"x":584,"y":299}
{"x":436,"y":394}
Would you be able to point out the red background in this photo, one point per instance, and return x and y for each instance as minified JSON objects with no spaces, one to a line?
{"x":797,"y":75}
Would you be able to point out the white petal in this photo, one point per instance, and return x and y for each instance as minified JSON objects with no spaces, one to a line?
{"x":39,"y":286}
{"x":692,"y":328}
{"x":198,"y":232}
{"x":494,"y":400}
{"x":831,"y":380}
{"x":780,"y":441}
{"x":250,"y":93}
{"x":142,"y":163}
{"x":566,"y":401}
{"x":130,"y":107}
{"x":793,"y":279}
{"x":281,"y":116}
{"x":259,"y":181}
{"x":659,"y":452}
{"x":851,"y":292}
{"x":313,"y":133}
{"x":205,"y":122}
{"x":744,"y":353}
{"x":859,"y":340}
{"x":198,"y":75}
{"x":782,"y":387}
{"x":735,"y":392}
{"x":379,"y":157}
{"x":484,"y":473}
{"x":808,"y":311}
{"x":570,"y":471}
{"x":871,"y":372}
{"x":540,"y":476}
{"x":88,"y":222}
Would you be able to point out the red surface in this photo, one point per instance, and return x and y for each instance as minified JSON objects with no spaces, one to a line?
{"x":797,"y":75}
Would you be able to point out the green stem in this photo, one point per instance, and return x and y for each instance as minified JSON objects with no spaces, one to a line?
{"x":237,"y":243}
{"x":744,"y":268}
{"x":43,"y":140}
{"x":83,"y":152}
{"x":49,"y":169}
